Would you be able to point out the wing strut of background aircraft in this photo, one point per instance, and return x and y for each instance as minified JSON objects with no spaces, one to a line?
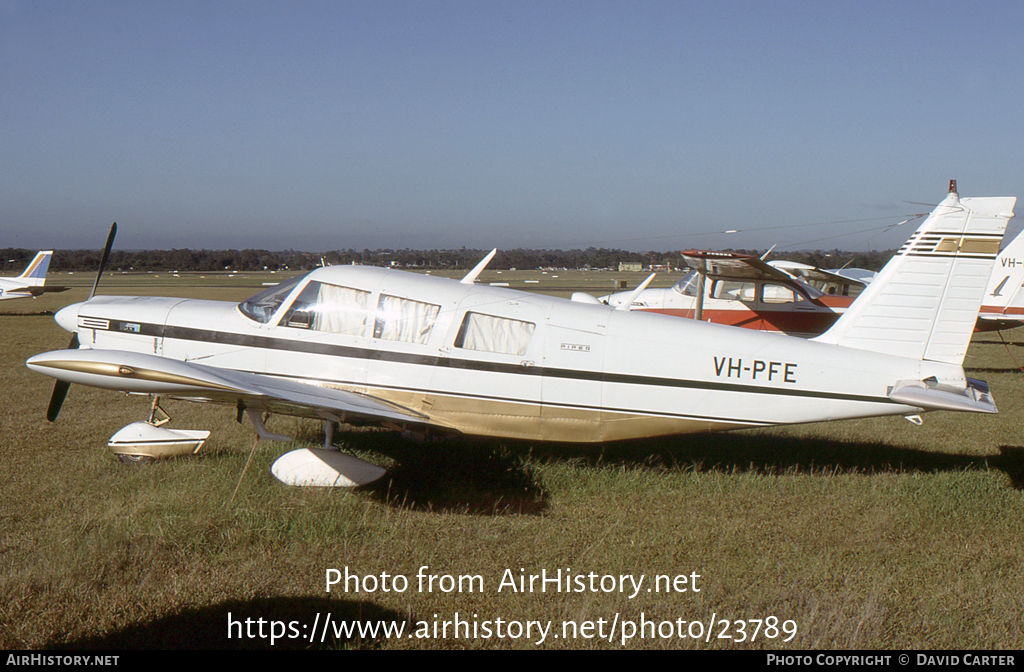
{"x":365,"y":345}
{"x":32,"y":282}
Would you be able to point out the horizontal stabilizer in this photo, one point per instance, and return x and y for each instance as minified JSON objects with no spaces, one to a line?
{"x":975,"y":399}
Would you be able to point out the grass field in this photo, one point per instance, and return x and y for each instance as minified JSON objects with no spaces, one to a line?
{"x":862,"y":534}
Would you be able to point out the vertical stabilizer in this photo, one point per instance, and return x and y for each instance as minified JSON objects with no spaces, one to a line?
{"x":35,"y":274}
{"x":925,"y":302}
{"x":1004,"y":286}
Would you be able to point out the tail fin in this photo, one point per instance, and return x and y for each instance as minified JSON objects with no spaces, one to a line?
{"x":35,"y":274}
{"x":924,"y":303}
{"x":1004,"y":286}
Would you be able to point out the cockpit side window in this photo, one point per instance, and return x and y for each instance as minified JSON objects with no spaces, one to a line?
{"x":733,"y":290}
{"x":772,"y":293}
{"x":262,"y":306}
{"x":331,"y":308}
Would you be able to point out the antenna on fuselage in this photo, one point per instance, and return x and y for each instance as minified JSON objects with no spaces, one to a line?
{"x":471,"y":276}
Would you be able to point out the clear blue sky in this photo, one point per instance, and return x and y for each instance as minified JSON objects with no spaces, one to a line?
{"x":643,"y":125}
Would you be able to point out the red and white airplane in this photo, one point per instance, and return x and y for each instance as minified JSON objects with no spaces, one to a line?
{"x":743,"y":290}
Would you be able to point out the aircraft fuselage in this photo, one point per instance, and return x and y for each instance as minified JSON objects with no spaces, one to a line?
{"x":494,"y":361}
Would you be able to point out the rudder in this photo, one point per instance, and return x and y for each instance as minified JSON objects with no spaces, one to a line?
{"x":924,"y":303}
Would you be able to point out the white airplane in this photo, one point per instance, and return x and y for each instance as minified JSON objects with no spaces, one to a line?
{"x":366,"y":345}
{"x":32,"y":282}
{"x":742,"y":290}
{"x":1003,"y":305}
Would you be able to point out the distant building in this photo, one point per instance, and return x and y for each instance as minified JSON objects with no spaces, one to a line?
{"x":630,"y":266}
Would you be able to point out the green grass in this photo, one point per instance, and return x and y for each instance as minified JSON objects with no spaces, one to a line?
{"x":867,"y":534}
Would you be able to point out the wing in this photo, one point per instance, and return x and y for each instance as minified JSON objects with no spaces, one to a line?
{"x":733,"y":266}
{"x":150,"y":374}
{"x":817,"y":275}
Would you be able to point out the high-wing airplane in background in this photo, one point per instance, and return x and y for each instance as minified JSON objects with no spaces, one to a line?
{"x":742,"y":290}
{"x":366,"y":345}
{"x":30,"y":283}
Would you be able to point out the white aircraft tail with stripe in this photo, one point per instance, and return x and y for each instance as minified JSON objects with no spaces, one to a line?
{"x":35,"y":274}
{"x":1005,"y":285}
{"x":924,"y":303}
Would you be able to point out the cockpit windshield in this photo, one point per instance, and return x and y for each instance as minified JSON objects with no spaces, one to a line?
{"x":810,"y":291}
{"x":262,"y":306}
{"x":687,"y":284}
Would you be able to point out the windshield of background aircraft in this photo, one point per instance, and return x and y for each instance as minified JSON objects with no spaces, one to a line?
{"x":262,"y":306}
{"x":687,"y":284}
{"x":810,"y":291}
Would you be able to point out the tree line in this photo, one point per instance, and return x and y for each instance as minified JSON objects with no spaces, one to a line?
{"x":15,"y":259}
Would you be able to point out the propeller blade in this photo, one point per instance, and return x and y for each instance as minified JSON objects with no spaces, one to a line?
{"x":103,"y":259}
{"x":60,"y":387}
{"x":60,"y":390}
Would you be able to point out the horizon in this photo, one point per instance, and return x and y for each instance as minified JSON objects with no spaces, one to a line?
{"x":512,"y":124}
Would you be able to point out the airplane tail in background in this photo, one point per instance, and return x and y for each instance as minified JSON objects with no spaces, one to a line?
{"x":1004,"y":287}
{"x":35,"y":274}
{"x":924,"y":303}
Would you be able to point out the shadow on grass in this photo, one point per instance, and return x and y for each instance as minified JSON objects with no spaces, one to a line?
{"x":739,"y":453}
{"x":464,"y":475}
{"x":993,"y":369}
{"x":499,"y":477}
{"x":1011,"y":462}
{"x":207,"y":627}
{"x":492,"y":476}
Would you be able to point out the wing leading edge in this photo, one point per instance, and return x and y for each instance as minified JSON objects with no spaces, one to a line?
{"x":150,"y":374}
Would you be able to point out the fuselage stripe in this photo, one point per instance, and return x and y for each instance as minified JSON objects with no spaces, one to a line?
{"x":270,"y":343}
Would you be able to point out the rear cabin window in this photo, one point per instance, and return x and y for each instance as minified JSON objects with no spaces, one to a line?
{"x":404,"y":320}
{"x":331,"y":308}
{"x":487,"y":333}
